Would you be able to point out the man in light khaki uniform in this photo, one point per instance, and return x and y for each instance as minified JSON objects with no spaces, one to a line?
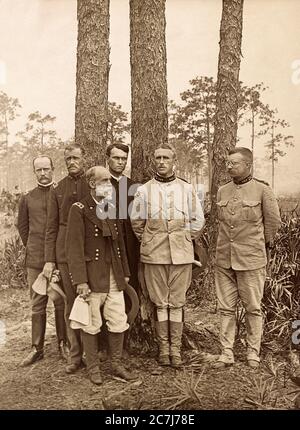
{"x":166,"y":216}
{"x":248,"y":221}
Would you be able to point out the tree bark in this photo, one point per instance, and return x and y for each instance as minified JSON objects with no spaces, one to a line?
{"x":149,"y":100}
{"x":91,"y":112}
{"x":149,"y":118}
{"x":226,"y":118}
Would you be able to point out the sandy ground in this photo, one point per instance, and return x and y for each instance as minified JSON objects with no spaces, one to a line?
{"x":197,"y":386}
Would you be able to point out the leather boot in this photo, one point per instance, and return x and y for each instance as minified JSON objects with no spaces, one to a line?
{"x":175,"y":343}
{"x":125,"y":353}
{"x":115,"y":341}
{"x":61,"y":333}
{"x":90,"y":346}
{"x":38,"y":328}
{"x":162,"y":335}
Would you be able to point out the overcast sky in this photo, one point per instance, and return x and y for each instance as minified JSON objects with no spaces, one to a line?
{"x":38,"y":55}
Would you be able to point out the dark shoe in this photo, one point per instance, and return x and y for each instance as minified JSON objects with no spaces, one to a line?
{"x":117,"y":369}
{"x":95,"y":376}
{"x":73,"y":367}
{"x":164,"y":360}
{"x":115,"y":341}
{"x":176,"y":361}
{"x":64,"y":350}
{"x":32,"y":357}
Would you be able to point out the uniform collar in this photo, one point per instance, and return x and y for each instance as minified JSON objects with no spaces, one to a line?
{"x":44,"y":187}
{"x":116,"y":178}
{"x":74,"y":178}
{"x":159,"y":178}
{"x":243,"y":181}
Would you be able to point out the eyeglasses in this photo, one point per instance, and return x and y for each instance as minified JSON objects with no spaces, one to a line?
{"x":233,"y":163}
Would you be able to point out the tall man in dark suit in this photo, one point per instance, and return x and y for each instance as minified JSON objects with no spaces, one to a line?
{"x":69,"y":190}
{"x":125,"y":188}
{"x":31,"y":224}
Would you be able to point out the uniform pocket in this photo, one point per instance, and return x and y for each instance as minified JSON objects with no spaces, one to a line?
{"x":222,"y":209}
{"x":251,"y":210}
{"x":146,"y":245}
{"x":147,"y":239}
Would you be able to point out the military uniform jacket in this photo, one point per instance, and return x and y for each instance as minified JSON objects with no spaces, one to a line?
{"x":68,"y":191}
{"x":248,"y":219}
{"x":31,"y":224}
{"x":93,"y":246}
{"x":125,"y":189}
{"x":166,"y":216}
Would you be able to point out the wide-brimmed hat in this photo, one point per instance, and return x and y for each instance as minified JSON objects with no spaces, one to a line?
{"x":40,"y":285}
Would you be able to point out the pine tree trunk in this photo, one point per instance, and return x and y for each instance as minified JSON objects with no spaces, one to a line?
{"x":226,"y":122}
{"x":149,"y":117}
{"x":92,"y":73}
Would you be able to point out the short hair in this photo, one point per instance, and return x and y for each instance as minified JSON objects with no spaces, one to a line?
{"x":43,"y":156}
{"x":120,"y":146}
{"x":245,"y":152}
{"x":72,"y":146}
{"x":167,"y":145}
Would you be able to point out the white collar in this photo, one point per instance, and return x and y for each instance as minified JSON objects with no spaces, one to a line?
{"x":116,"y":178}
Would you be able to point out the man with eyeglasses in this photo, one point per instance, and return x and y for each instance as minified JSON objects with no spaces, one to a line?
{"x":31,"y":225}
{"x":249,"y":218}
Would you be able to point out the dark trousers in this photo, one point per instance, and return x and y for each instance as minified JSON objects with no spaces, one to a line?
{"x":39,"y":302}
{"x":73,"y":335}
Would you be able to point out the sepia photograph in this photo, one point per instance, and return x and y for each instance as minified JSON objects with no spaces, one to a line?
{"x":149,"y":208}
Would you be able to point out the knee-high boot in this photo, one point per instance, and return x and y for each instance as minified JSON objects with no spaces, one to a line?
{"x":175,"y":343}
{"x":115,"y":341}
{"x":38,"y":327}
{"x":162,"y":335}
{"x":90,"y":346}
{"x":61,"y":333}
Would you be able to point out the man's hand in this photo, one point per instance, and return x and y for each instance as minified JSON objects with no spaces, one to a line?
{"x":127,"y":279}
{"x":83,"y":290}
{"x":48,"y":270}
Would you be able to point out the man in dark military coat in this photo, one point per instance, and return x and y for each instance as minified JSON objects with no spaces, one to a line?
{"x":69,"y":190}
{"x":32,"y":218}
{"x":99,"y":270}
{"x":125,"y":188}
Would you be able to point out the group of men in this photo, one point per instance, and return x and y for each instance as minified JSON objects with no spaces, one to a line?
{"x":96,"y":226}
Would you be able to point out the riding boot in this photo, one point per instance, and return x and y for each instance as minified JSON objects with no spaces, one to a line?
{"x":115,"y":341}
{"x":38,"y":327}
{"x":61,"y":333}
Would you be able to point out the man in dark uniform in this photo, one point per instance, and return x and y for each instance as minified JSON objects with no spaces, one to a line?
{"x":125,"y":188}
{"x":117,"y":156}
{"x":99,"y":271}
{"x":69,"y":190}
{"x":31,"y":224}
